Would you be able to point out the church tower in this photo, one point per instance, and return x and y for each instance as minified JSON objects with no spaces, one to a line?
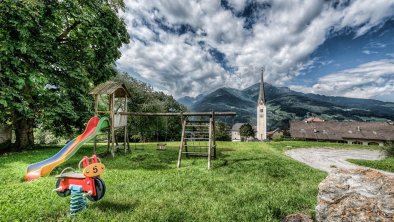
{"x":261,"y":111}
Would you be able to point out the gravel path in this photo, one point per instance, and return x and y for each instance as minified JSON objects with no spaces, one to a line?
{"x":327,"y":159}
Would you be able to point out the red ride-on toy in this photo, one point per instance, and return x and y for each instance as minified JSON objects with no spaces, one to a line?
{"x":89,"y":179}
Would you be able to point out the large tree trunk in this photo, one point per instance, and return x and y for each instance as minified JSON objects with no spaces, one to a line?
{"x":24,"y":133}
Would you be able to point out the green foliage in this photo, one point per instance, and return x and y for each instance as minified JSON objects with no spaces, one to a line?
{"x":145,"y":99}
{"x":46,"y":137}
{"x":248,"y":182}
{"x":247,"y":131}
{"x":51,"y":54}
{"x":222,"y":131}
{"x":389,"y":149}
{"x":278,"y":138}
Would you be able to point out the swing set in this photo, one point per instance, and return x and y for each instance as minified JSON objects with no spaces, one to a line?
{"x":198,"y":136}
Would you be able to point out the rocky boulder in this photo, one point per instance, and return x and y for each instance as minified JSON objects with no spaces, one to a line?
{"x":356,"y":195}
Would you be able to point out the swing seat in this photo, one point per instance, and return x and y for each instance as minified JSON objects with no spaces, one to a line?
{"x":161,"y":146}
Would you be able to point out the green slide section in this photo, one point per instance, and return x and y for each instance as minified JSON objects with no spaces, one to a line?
{"x":102,"y":124}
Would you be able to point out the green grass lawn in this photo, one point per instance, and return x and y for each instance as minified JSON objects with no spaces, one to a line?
{"x":386,"y":164}
{"x":248,"y":182}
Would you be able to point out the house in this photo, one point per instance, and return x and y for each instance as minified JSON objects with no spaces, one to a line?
{"x":313,"y":119}
{"x":235,"y":134}
{"x":366,"y":133}
{"x":277,"y":132}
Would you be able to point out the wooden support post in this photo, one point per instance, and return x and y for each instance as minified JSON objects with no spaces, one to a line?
{"x":125,"y":130}
{"x":112,"y":110}
{"x":210,"y":143}
{"x":96,"y":114}
{"x":182,"y":143}
{"x":179,"y":114}
{"x":109,"y":140}
{"x":94,"y":145}
{"x":96,"y":104}
{"x":125,"y":140}
{"x":126,"y":134}
{"x":214,"y":135}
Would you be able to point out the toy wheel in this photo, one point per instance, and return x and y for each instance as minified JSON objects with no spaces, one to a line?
{"x":64,"y":193}
{"x":100,"y":189}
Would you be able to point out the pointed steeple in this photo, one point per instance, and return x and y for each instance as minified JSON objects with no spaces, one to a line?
{"x":261,"y":98}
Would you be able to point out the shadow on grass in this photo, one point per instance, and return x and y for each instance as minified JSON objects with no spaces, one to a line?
{"x":281,"y":168}
{"x":112,"y":206}
{"x":225,"y":149}
{"x":223,"y":162}
{"x":149,"y":159}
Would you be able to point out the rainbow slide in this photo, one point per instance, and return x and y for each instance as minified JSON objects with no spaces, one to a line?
{"x":94,"y":127}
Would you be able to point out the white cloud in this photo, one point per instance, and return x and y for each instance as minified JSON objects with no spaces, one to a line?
{"x":370,"y":80}
{"x":369,"y":52}
{"x":282,"y":39}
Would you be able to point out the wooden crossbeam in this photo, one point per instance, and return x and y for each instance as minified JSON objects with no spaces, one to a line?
{"x":180,"y":114}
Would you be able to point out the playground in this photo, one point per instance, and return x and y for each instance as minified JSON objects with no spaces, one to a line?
{"x":248,"y":182}
{"x":157,"y":181}
{"x":124,"y":111}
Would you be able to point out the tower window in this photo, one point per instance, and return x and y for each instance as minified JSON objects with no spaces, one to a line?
{"x":261,"y":110}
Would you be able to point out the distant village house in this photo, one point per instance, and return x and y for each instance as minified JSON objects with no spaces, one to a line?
{"x":235,"y":134}
{"x":366,"y":133}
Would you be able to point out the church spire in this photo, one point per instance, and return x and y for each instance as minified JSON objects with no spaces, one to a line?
{"x":261,"y":98}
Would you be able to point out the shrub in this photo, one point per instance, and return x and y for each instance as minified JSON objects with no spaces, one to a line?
{"x":390,"y":150}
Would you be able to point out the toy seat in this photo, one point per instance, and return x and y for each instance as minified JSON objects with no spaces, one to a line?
{"x":71,"y":175}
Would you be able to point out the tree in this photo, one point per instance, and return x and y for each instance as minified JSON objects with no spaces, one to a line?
{"x":145,"y":99}
{"x":222,"y":131}
{"x":247,"y":131}
{"x":52,"y":53}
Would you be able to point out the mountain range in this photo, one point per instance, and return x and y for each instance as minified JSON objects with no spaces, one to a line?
{"x":284,"y":105}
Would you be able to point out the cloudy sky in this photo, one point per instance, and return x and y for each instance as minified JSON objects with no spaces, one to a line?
{"x":192,"y":47}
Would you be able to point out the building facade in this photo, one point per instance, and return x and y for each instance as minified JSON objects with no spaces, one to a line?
{"x":261,"y":133}
{"x":366,"y":133}
{"x":235,"y":134}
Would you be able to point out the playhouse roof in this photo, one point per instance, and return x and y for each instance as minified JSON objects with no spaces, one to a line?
{"x":110,"y":87}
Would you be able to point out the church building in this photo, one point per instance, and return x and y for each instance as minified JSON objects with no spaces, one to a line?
{"x":261,"y":133}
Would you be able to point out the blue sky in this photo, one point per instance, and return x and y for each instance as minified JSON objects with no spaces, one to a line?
{"x":187,"y":48}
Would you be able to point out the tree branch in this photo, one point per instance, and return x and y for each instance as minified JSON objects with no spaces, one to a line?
{"x":65,"y":33}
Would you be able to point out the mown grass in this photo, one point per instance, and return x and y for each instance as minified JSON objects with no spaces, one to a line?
{"x":248,"y":182}
{"x":386,"y":164}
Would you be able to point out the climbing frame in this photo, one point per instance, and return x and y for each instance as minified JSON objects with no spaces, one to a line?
{"x":198,"y":139}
